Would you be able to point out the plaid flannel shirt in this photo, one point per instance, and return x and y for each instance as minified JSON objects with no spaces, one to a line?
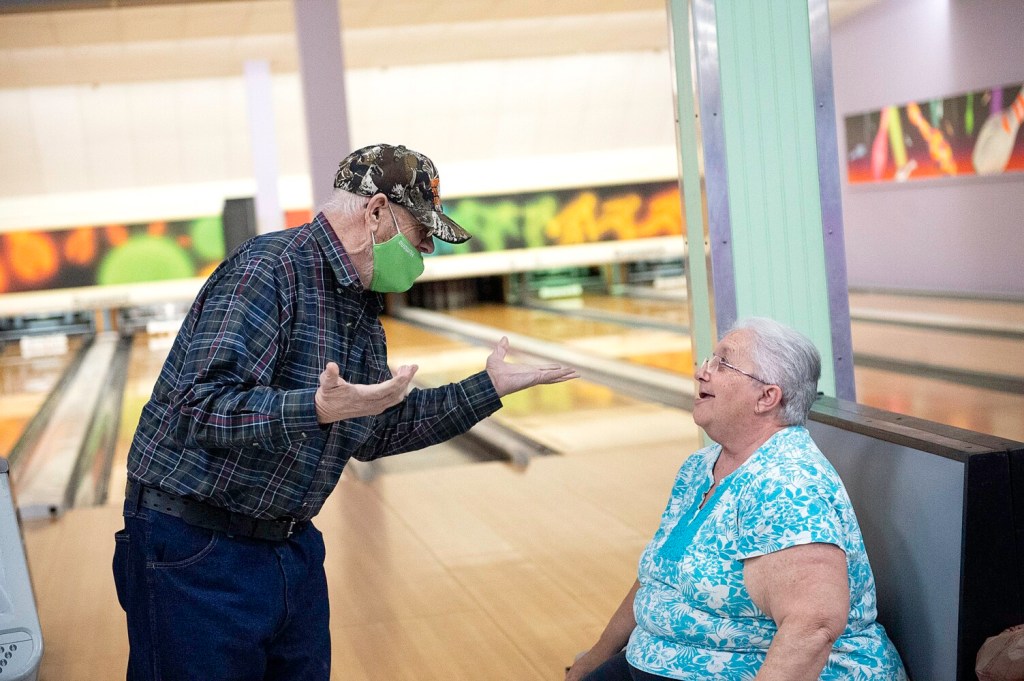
{"x":231,"y":420}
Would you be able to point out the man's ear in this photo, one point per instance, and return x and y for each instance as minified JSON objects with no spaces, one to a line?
{"x":373,"y":211}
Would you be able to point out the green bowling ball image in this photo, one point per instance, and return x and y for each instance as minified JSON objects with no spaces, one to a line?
{"x":207,"y":238}
{"x":145,"y":258}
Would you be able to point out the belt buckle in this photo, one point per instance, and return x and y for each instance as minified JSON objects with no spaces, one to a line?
{"x":291,"y":528}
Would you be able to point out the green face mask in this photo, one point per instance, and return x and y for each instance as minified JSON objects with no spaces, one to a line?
{"x":396,"y":263}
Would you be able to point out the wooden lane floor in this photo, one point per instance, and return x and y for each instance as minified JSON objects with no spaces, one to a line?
{"x":642,"y":309}
{"x":25,"y":384}
{"x":465,"y":572}
{"x":977,"y":353}
{"x":979,"y":409}
{"x":965,"y":310}
{"x":576,"y":416}
{"x":659,"y":349}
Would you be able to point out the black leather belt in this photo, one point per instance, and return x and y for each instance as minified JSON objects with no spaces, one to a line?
{"x":214,"y":518}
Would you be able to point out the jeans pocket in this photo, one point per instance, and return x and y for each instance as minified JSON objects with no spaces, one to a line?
{"x":122,"y":542}
{"x":175,"y":544}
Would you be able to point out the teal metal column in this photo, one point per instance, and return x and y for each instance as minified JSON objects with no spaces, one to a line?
{"x":755,"y":105}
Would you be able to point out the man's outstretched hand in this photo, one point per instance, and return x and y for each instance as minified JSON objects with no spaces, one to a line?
{"x":336,"y":399}
{"x":509,"y":378}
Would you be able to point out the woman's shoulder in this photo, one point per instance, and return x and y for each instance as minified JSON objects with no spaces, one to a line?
{"x":791,"y":458}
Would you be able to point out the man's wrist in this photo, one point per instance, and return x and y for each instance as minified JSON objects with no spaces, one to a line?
{"x":322,"y":415}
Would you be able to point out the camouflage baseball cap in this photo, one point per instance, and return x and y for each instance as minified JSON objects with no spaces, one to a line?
{"x":406,"y":177}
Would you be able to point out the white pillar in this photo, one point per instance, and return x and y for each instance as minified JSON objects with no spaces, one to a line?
{"x":318,"y":36}
{"x":263,"y":143}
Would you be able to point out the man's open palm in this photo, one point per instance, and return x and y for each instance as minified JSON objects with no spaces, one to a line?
{"x":337,"y":399}
{"x":509,"y":378}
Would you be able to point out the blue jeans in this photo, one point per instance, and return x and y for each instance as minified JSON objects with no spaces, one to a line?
{"x":203,"y":605}
{"x":616,"y":668}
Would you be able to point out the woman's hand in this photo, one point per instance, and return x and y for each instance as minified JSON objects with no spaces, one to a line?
{"x":585,"y":663}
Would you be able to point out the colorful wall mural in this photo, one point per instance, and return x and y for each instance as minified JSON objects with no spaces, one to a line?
{"x":977,"y":133}
{"x":123,"y":254}
{"x":558,"y":218}
{"x":104,"y":255}
{"x":562,"y":218}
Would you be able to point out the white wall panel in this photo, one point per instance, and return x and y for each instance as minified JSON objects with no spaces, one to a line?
{"x":20,"y":172}
{"x":290,"y":121}
{"x":493,"y":119}
{"x":110,"y":154}
{"x":60,"y":138}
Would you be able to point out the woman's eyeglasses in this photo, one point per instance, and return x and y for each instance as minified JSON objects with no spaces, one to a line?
{"x":712,"y":363}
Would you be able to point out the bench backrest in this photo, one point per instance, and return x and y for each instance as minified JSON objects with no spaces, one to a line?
{"x":936,"y":509}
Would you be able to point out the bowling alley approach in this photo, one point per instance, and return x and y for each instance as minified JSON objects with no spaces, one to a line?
{"x":595,"y":341}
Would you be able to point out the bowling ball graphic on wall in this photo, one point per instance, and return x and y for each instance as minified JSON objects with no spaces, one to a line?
{"x":28,"y":260}
{"x":39,"y":260}
{"x":177,"y":251}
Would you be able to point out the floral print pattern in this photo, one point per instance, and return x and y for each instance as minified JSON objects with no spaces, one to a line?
{"x":695,"y":618}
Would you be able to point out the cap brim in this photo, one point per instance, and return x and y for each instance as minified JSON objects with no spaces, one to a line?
{"x":445,"y":228}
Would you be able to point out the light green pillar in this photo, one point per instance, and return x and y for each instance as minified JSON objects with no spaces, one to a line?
{"x":760,"y":173}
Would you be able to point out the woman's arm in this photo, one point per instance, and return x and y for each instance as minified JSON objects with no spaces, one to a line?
{"x":805,"y":589}
{"x":613,"y":638}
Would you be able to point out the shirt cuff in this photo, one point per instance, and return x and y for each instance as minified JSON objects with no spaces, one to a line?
{"x":483,"y":398}
{"x":298,"y":415}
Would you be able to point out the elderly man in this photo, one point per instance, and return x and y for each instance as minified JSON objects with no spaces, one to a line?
{"x":758,"y":570}
{"x":278,"y":377}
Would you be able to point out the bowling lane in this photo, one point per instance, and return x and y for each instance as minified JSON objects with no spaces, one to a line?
{"x":572,"y":417}
{"x":954,"y":404}
{"x":982,"y":354}
{"x":655,"y":348}
{"x":25,"y":382}
{"x":948,"y":310}
{"x":942,"y":399}
{"x":624,"y":308}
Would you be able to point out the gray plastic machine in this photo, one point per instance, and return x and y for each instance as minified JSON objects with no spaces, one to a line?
{"x":21,"y":641}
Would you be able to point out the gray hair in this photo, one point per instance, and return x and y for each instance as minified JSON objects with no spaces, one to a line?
{"x":343,"y":203}
{"x":786,"y":358}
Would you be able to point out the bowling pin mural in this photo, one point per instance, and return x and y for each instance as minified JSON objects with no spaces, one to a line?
{"x":938,"y":147}
{"x":880,"y":147}
{"x":969,"y":114}
{"x":996,"y":138}
{"x":904,"y":167}
{"x":971,"y":134}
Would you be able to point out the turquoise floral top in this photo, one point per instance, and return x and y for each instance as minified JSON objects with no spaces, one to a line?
{"x":695,"y":619}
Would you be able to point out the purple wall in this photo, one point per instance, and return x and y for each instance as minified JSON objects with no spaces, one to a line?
{"x":957,"y":235}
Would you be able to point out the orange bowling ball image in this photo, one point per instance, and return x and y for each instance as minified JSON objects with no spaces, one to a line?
{"x":33,"y":256}
{"x":80,"y":246}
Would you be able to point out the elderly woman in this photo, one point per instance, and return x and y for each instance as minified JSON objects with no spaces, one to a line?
{"x":758,"y":570}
